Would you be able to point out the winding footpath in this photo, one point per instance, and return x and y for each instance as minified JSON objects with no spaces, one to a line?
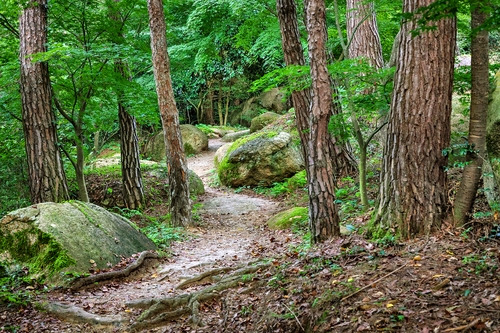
{"x":232,"y":231}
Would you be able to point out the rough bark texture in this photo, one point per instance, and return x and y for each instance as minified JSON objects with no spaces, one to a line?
{"x":180,"y":205}
{"x":323,"y":217}
{"x":47,"y":179}
{"x":362,"y":32}
{"x":413,"y":189}
{"x":344,"y":163}
{"x":133,"y":194}
{"x":477,"y":126}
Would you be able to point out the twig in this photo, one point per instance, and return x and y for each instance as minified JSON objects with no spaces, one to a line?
{"x":462,"y":328}
{"x":374,"y":282}
{"x":295,"y":316}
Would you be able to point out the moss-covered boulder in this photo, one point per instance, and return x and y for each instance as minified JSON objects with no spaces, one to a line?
{"x":271,"y":100}
{"x":220,"y":153}
{"x":196,"y":186}
{"x":297,"y":216}
{"x":231,"y":137}
{"x":262,"y":120}
{"x":262,"y":159}
{"x":195,"y":141}
{"x":73,"y":237}
{"x":193,"y":138}
{"x":492,"y":182}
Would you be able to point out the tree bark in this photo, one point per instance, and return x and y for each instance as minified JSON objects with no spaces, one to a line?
{"x":133,"y":194}
{"x":478,"y":111}
{"x":132,"y":190}
{"x":362,"y":32}
{"x":180,"y":205}
{"x":47,"y":179}
{"x":413,"y":190}
{"x":323,"y":217}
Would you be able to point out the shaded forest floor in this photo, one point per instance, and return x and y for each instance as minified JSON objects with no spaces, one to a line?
{"x":447,"y":282}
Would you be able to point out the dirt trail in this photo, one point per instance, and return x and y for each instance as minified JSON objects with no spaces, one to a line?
{"x":232,"y":231}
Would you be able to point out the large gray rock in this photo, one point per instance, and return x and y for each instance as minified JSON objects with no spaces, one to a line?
{"x":261,"y":159}
{"x":262,"y":120}
{"x":52,"y":238}
{"x":194,"y":141}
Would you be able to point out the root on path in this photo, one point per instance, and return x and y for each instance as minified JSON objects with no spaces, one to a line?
{"x":159,"y":311}
{"x":85,"y":281}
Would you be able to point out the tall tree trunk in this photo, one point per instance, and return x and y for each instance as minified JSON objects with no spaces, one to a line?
{"x":47,"y":179}
{"x":132,"y":190}
{"x":180,"y":205}
{"x":323,"y":217}
{"x":362,"y":32}
{"x":478,"y":110}
{"x":413,"y":190}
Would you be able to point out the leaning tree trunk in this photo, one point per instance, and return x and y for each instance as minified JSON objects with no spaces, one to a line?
{"x":180,"y":205}
{"x":413,"y":189}
{"x":47,"y":179}
{"x":323,"y":217}
{"x":362,"y":32}
{"x":477,"y":126}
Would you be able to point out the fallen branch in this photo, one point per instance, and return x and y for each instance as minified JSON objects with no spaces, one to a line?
{"x":78,"y":315}
{"x":85,"y":281}
{"x":463,"y":328}
{"x":374,"y":282}
{"x":161,"y":310}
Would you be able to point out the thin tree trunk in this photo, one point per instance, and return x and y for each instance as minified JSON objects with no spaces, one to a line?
{"x":477,"y":126}
{"x":219,"y":104}
{"x":413,"y":189}
{"x":210,"y":110}
{"x":47,"y":180}
{"x":180,"y":204}
{"x":362,"y":32}
{"x":323,"y":217}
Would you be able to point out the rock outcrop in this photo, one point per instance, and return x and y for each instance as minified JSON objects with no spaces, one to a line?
{"x":262,"y":120}
{"x":72,"y":237}
{"x":260,"y":160}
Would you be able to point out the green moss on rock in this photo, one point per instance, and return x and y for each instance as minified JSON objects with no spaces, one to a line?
{"x":284,"y":220}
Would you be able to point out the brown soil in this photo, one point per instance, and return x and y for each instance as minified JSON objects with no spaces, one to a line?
{"x":447,"y":282}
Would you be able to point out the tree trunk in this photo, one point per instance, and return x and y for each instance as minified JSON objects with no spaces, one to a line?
{"x":362,"y":32}
{"x":80,"y":165}
{"x":477,"y":126}
{"x":210,"y":109}
{"x":47,"y":180}
{"x":413,"y":190}
{"x":132,"y":190}
{"x":323,"y":217}
{"x":180,"y":205}
{"x":219,"y":104}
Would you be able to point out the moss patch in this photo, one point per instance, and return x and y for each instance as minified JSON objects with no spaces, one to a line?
{"x":43,"y":255}
{"x":297,"y":216}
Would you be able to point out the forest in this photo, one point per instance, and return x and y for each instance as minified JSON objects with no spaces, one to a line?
{"x":259,"y":165}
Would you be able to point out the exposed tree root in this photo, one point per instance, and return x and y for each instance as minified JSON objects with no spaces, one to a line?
{"x":78,"y":315}
{"x":203,"y":278}
{"x":161,"y":310}
{"x":114,"y":274}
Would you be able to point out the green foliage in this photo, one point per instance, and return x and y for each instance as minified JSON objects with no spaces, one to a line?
{"x":289,"y":185}
{"x":163,"y":235}
{"x":13,"y":284}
